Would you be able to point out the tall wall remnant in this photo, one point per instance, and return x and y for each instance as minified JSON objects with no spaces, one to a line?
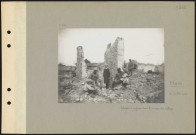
{"x":114,"y":56}
{"x":80,"y":65}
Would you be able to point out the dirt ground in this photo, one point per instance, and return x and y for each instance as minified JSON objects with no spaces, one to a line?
{"x":142,"y":88}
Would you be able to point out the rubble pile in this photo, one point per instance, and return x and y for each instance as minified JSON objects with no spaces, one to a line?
{"x":148,"y":86}
{"x":142,"y":88}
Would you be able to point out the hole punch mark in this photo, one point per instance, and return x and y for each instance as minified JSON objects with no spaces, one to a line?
{"x":8,"y":32}
{"x":9,"y":103}
{"x":8,"y":45}
{"x":8,"y":89}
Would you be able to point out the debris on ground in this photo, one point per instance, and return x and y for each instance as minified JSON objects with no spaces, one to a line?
{"x":142,"y":88}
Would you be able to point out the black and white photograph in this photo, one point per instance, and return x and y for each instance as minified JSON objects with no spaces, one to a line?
{"x":111,"y":65}
{"x":88,"y":67}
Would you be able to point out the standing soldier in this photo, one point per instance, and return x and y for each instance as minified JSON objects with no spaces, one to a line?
{"x":130,"y":67}
{"x":106,"y":76}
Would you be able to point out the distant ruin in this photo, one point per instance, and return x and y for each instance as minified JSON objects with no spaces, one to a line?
{"x":152,"y":67}
{"x":114,"y":56}
{"x":80,"y":65}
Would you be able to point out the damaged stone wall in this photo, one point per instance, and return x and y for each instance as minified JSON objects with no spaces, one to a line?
{"x":114,"y":56}
{"x":146,"y":67}
{"x":80,"y":65}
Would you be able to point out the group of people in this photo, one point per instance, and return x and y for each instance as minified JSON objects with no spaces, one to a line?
{"x":121,"y":77}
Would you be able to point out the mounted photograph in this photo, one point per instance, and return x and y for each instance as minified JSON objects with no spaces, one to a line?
{"x":111,"y":65}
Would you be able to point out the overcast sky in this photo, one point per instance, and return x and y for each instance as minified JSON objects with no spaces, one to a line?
{"x":146,"y":45}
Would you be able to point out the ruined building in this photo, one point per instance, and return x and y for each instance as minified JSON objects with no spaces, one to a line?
{"x":114,"y":56}
{"x":80,"y":65}
{"x":66,"y":71}
{"x":146,"y":67}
